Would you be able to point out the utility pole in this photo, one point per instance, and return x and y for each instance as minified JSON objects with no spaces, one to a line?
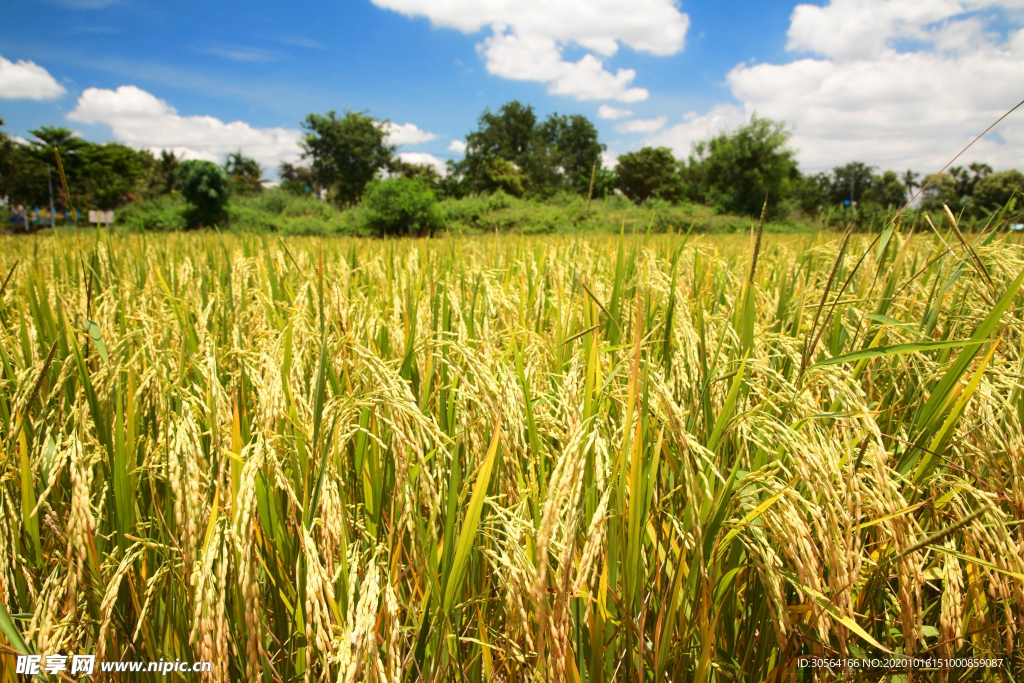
{"x":49,"y":182}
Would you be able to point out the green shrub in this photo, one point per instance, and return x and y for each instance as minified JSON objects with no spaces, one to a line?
{"x":160,"y":214}
{"x":206,"y":186}
{"x":401,"y":206}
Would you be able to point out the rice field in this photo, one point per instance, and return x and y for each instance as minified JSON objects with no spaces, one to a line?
{"x":632,"y":458}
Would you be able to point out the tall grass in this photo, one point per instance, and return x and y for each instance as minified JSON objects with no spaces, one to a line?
{"x":507,"y":459}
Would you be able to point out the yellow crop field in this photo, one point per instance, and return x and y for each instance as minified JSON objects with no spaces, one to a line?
{"x":561,"y":458}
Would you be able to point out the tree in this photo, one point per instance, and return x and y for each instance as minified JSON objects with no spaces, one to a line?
{"x":513,"y":152}
{"x":650,"y":172}
{"x":164,"y":172}
{"x":502,"y":154}
{"x":994,"y":190}
{"x":739,"y":171}
{"x":886,"y":190}
{"x":405,"y":169}
{"x":246,"y":174}
{"x":910,"y":179}
{"x":6,"y":161}
{"x":30,"y":178}
{"x":206,"y":187}
{"x":962,"y":180}
{"x":401,"y":206}
{"x":111,"y":174}
{"x":849,"y":182}
{"x":346,"y":152}
{"x":939,"y":189}
{"x":296,"y":179}
{"x":573,"y":150}
{"x":978,"y":171}
{"x":811,"y":193}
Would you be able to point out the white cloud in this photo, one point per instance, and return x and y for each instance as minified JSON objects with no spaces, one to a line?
{"x":608,"y":112}
{"x":536,"y":58}
{"x":457,"y":146}
{"x":655,"y":26}
{"x":680,"y":138}
{"x":894,"y":83}
{"x":423,"y":159}
{"x":642,"y":125}
{"x":528,"y":37}
{"x":609,"y":160}
{"x":406,"y":134}
{"x":140,"y":120}
{"x":26,"y":80}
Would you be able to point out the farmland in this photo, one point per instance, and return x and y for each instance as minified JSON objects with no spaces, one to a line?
{"x":508,"y":458}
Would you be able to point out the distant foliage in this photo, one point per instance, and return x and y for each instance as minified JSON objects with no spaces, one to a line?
{"x":542,"y":164}
{"x":513,"y":152}
{"x":206,"y":186}
{"x":650,"y":173}
{"x":297,"y":180}
{"x":6,"y":161}
{"x":993,"y":191}
{"x":346,"y":153}
{"x":405,"y":169}
{"x":401,"y":206}
{"x":165,"y":171}
{"x":810,"y":194}
{"x":246,"y":174}
{"x":737,"y":172}
{"x":886,"y":191}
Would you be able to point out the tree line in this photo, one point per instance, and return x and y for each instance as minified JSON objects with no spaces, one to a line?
{"x":513,"y":151}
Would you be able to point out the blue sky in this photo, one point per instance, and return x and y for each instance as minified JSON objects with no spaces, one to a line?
{"x":865,"y":79}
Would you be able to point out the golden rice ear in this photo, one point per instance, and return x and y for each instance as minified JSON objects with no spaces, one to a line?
{"x":675,"y":457}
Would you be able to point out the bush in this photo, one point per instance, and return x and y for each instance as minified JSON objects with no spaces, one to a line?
{"x":161,"y":214}
{"x":401,"y":206}
{"x":206,"y":186}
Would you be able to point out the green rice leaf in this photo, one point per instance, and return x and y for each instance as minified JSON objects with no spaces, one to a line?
{"x":898,"y":349}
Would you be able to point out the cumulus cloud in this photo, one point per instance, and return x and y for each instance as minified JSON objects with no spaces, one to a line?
{"x":457,"y":146}
{"x":528,"y":37}
{"x":406,"y":134}
{"x":26,"y":80}
{"x":609,"y":160}
{"x":655,"y":26}
{"x":526,"y":57}
{"x":894,"y":83}
{"x":608,"y":112}
{"x":680,"y":137}
{"x":423,"y":159}
{"x":141,"y":120}
{"x":642,"y":125}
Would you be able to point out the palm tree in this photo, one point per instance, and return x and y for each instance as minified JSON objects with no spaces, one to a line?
{"x":962,"y":179}
{"x":910,"y":181}
{"x":980,"y":170}
{"x":247,"y":173}
{"x":167,"y":165}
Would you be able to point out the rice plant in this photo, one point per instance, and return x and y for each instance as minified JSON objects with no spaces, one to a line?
{"x":633,"y":458}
